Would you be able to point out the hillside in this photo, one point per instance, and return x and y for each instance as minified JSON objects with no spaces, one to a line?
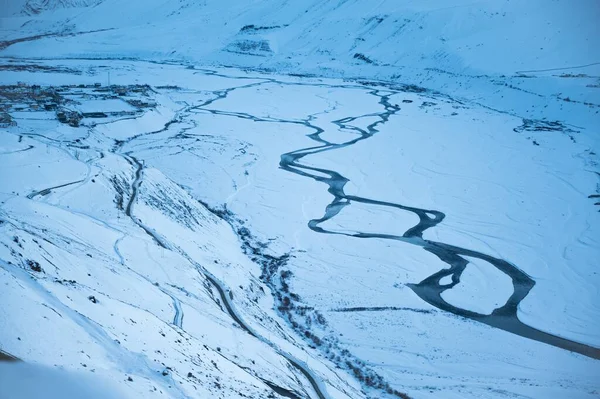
{"x":301,"y":199}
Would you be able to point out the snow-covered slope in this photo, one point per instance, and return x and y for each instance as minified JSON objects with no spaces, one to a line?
{"x":110,"y":267}
{"x":476,"y":37}
{"x":303,"y":198}
{"x":38,"y":6}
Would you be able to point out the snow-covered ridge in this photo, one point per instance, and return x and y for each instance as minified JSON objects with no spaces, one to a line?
{"x":460,"y":36}
{"x":33,"y":7}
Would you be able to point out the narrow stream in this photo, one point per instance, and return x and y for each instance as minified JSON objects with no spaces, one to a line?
{"x":430,"y":289}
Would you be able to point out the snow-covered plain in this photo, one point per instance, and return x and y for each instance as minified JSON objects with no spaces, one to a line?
{"x":185,"y":245}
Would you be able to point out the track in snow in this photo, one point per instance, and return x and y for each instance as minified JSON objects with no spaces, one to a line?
{"x":48,"y":190}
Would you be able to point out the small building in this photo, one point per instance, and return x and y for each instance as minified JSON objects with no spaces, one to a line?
{"x":94,"y":115}
{"x":50,"y":106}
{"x":71,"y":118}
{"x":120,"y":90}
{"x":6,"y":120}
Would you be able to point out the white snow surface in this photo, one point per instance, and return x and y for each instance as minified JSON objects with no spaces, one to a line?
{"x":482,"y":288}
{"x":117,"y":234}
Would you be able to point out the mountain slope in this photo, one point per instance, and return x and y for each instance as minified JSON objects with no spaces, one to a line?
{"x":110,"y":263}
{"x":303,"y":199}
{"x":462,"y":36}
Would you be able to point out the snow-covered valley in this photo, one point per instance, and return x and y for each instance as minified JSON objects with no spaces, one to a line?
{"x":224,"y":223}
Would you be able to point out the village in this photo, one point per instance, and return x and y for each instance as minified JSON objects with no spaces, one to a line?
{"x":73,"y":105}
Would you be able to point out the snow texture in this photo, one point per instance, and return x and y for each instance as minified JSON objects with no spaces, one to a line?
{"x":301,"y":199}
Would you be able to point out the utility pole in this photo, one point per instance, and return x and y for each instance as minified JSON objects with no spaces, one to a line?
{"x":109,"y":78}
